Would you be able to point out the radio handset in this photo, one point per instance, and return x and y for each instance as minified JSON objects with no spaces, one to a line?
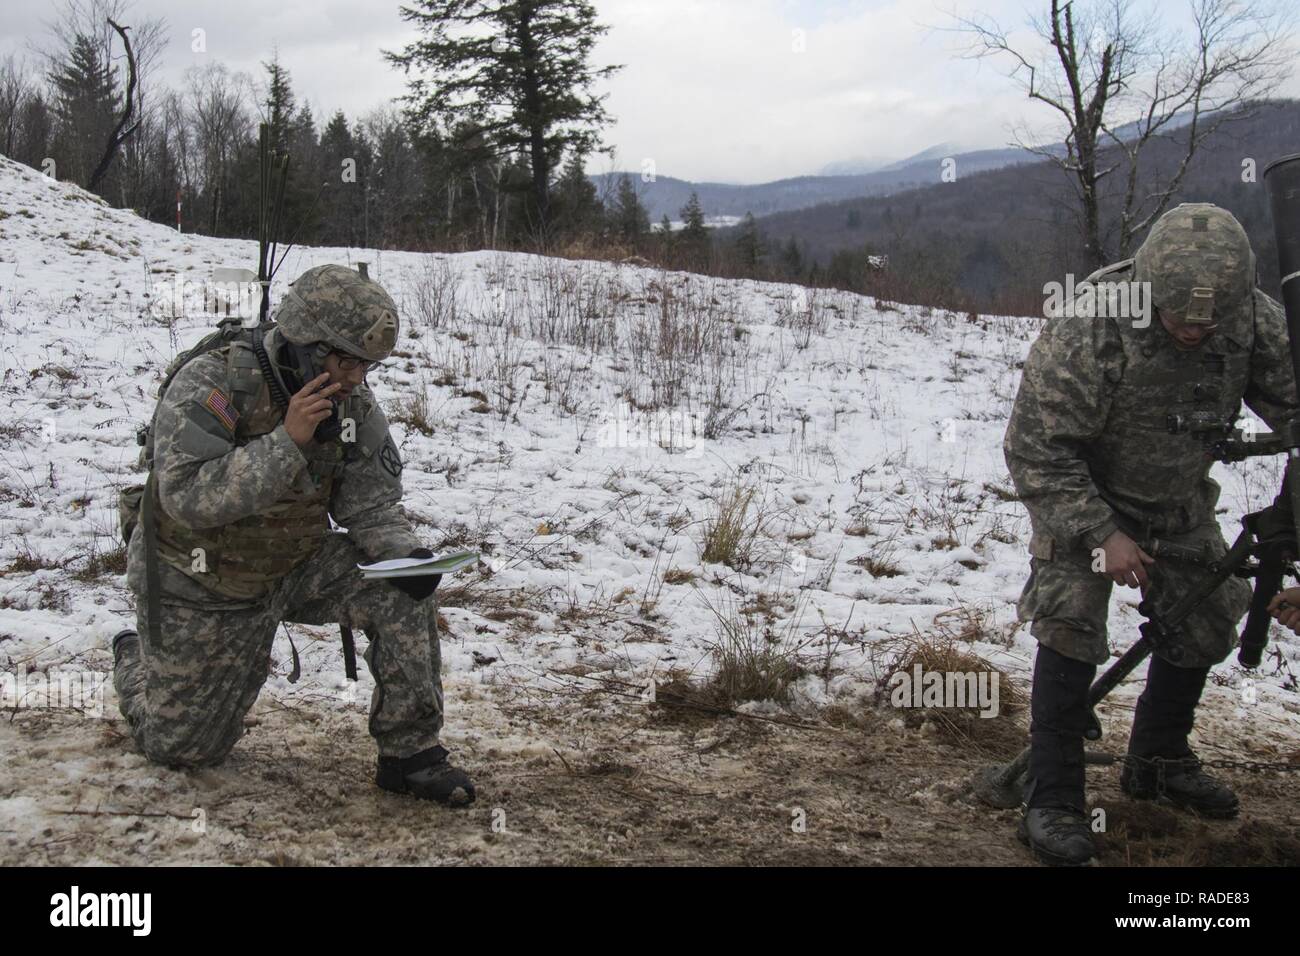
{"x":304,"y":364}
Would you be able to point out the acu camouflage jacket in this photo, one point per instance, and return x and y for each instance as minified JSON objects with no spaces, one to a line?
{"x":238,"y":487}
{"x":1088,"y":445}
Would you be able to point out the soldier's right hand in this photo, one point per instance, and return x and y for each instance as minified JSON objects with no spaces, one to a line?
{"x":308,"y":408}
{"x":1285,"y":607}
{"x":1125,"y":563}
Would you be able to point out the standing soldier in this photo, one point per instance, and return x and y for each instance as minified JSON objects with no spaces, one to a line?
{"x":1100,"y":465}
{"x":234,"y":536}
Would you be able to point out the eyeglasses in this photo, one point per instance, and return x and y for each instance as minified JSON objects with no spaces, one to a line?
{"x":350,"y":363}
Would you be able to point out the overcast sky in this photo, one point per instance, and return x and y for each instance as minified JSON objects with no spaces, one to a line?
{"x":711,"y":89}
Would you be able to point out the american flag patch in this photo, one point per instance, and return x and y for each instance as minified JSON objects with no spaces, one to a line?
{"x":220,"y":406}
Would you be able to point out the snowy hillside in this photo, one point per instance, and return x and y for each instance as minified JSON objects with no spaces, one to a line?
{"x":529,"y":397}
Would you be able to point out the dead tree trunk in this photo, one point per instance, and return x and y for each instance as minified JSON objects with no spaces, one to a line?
{"x":120,"y":132}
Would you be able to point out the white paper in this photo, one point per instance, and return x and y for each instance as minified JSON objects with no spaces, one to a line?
{"x":448,"y":563}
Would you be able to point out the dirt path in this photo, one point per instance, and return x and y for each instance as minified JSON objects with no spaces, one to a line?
{"x":575,"y":778}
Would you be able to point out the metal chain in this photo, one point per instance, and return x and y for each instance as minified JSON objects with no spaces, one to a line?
{"x":1253,"y":766}
{"x":1194,"y":763}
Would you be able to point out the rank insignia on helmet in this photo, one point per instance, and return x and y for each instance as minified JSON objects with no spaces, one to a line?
{"x":1200,"y":308}
{"x":219,"y":405}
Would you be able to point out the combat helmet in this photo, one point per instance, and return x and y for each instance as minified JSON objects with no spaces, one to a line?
{"x":335,"y":307}
{"x":1198,"y":261}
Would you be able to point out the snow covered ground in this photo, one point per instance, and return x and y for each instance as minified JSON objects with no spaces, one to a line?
{"x":530,"y":398}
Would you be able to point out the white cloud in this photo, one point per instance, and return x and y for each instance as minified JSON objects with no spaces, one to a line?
{"x":716,"y":90}
{"x":712,"y":89}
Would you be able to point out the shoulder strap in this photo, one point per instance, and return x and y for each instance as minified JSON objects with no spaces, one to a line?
{"x":245,"y":376}
{"x":1110,"y":269}
{"x":152,"y":587}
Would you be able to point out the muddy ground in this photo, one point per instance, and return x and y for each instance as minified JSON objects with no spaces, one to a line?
{"x":585,"y":774}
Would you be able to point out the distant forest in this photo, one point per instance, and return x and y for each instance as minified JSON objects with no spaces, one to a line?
{"x":399,"y":190}
{"x":989,"y":241}
{"x":986,"y":242}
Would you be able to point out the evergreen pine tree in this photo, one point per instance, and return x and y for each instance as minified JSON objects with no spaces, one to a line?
{"x":750,"y":245}
{"x":342,"y":205}
{"x":577,"y":207}
{"x":85,"y":96}
{"x":792,"y":259}
{"x":518,"y":69}
{"x":631,"y":222}
{"x":278,"y":108}
{"x":694,"y":240}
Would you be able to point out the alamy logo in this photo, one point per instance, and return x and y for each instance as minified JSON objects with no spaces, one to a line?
{"x":103,"y":909}
{"x":186,"y":296}
{"x":673,"y":431}
{"x":1098,"y":300}
{"x":54,"y":690}
{"x":959,"y":689}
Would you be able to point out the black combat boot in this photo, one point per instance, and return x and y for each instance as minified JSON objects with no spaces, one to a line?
{"x":426,"y":775}
{"x":1161,"y":764}
{"x":1055,"y":826}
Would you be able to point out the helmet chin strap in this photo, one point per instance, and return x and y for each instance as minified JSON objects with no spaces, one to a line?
{"x":305,"y":361}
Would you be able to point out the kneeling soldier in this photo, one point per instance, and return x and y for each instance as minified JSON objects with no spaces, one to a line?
{"x":234,"y":536}
{"x":1096,"y":455}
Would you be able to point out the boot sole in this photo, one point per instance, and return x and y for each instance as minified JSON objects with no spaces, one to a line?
{"x":1043,"y":856}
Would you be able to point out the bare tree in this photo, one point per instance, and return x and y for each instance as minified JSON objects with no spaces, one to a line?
{"x":124,"y":127}
{"x":93,"y":19}
{"x":90,"y":18}
{"x":90,"y":30}
{"x":220,"y":118}
{"x":395,"y":177}
{"x":15,"y":89}
{"x":174,"y":130}
{"x":1118,"y":79}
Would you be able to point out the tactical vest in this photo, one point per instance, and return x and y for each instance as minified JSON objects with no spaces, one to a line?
{"x":243,"y":560}
{"x":1157,"y":479}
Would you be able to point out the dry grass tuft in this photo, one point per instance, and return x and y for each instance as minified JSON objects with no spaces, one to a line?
{"x":101,"y":563}
{"x":755,"y":656}
{"x":945,"y":650}
{"x":413,"y":410}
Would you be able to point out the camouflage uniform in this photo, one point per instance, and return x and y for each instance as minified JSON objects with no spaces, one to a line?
{"x":244,"y":543}
{"x":1089,"y":451}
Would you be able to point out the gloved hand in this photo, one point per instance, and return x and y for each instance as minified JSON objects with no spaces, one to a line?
{"x":419,"y":587}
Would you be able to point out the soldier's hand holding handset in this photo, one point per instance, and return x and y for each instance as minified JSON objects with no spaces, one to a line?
{"x":1285,"y":607}
{"x":1126,"y":563}
{"x":308,"y":408}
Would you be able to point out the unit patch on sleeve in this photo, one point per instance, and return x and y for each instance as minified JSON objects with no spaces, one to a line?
{"x":389,"y":458}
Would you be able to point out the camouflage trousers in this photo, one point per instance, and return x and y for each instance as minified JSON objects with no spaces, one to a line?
{"x":1067,"y":603}
{"x":186,"y":697}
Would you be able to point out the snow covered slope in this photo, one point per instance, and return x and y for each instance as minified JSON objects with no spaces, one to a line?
{"x":526,"y":395}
